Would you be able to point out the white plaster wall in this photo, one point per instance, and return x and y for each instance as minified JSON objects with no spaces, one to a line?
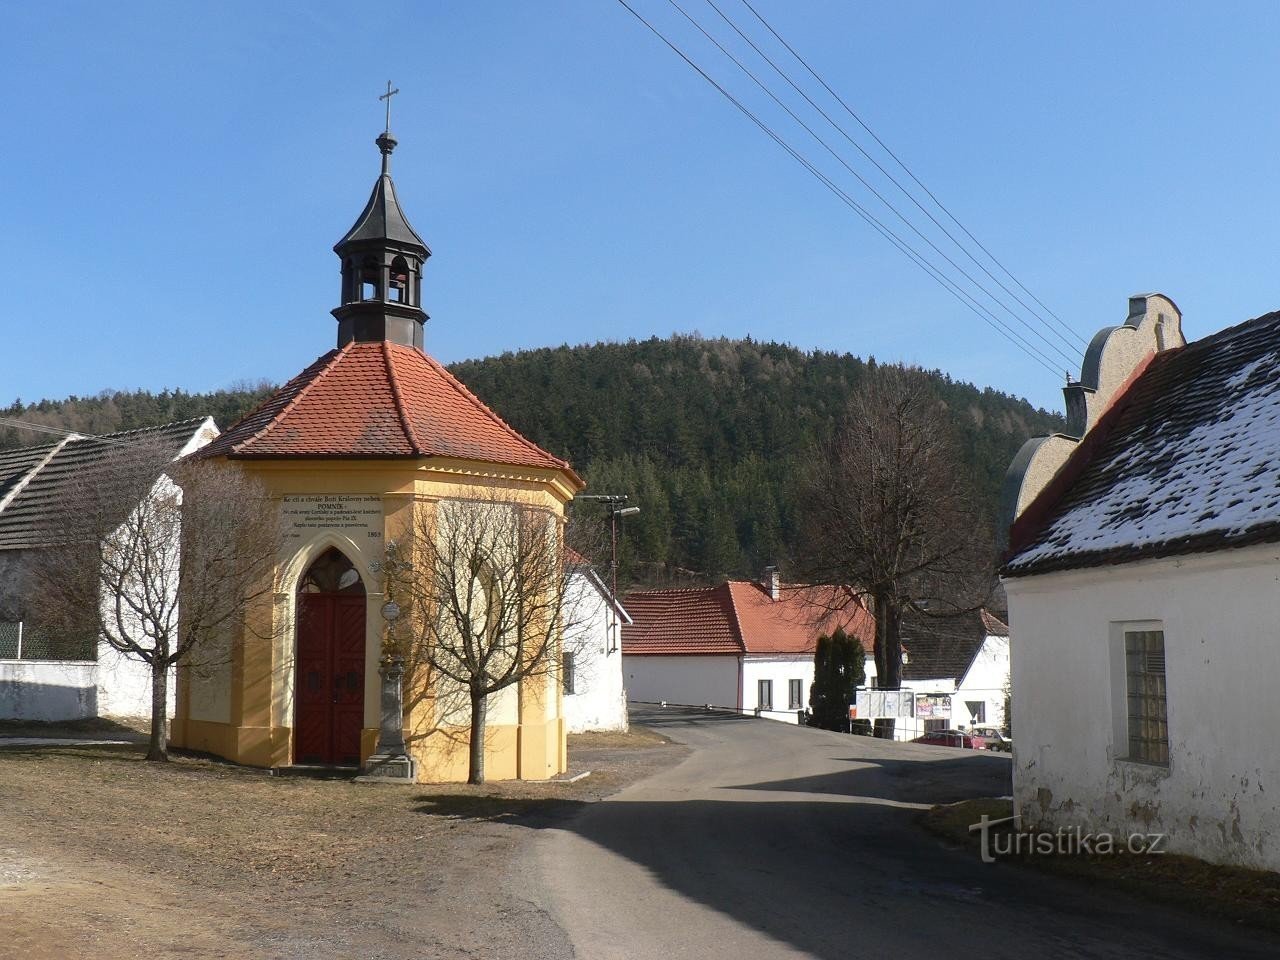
{"x":1219,"y":798}
{"x":48,"y":689}
{"x":985,"y":681}
{"x":599,"y":699}
{"x":779,"y":669}
{"x":684,"y":679}
{"x":124,"y":685}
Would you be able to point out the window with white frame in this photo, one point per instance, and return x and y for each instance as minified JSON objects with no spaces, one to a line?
{"x":765,"y":695}
{"x":1147,"y":713}
{"x":795,"y":694}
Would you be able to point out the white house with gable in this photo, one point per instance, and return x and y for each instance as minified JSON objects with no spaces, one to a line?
{"x":741,"y":645}
{"x":957,"y":669}
{"x":1142,"y":578}
{"x":595,"y":697}
{"x":44,"y":676}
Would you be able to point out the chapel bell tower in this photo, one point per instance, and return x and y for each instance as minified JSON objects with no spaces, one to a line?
{"x":382,"y":258}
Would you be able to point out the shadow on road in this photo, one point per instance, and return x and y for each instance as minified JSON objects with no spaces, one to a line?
{"x":906,"y":780}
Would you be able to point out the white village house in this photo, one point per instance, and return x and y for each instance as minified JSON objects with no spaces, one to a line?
{"x":740,"y":645}
{"x":1143,"y":579}
{"x":957,"y":668}
{"x":46,"y":677}
{"x":594,"y":695}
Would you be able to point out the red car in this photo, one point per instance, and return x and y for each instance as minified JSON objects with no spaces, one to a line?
{"x":952,"y":738}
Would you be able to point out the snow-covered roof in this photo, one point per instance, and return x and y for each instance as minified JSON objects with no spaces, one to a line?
{"x":1187,"y":460}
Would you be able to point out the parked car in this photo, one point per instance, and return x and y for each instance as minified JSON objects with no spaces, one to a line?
{"x":952,"y":738}
{"x":995,"y":740}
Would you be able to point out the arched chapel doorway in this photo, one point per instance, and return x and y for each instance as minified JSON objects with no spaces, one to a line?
{"x":329,"y":682}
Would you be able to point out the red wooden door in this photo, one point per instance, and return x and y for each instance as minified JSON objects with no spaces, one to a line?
{"x":329,"y":692}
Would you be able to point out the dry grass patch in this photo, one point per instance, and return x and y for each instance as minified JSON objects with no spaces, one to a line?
{"x":635,"y":738}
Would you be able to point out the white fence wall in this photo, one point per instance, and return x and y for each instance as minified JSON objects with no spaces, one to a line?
{"x":48,"y":689}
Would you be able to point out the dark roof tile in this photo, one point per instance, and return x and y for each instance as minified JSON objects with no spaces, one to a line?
{"x":1190,"y":463}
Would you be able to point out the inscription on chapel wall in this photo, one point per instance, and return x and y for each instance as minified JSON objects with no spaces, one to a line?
{"x":358,"y":516}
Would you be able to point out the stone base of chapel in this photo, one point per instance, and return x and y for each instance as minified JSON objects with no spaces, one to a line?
{"x":512,"y":752}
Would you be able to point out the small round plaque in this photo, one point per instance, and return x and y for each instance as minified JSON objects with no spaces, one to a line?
{"x":390,"y":610}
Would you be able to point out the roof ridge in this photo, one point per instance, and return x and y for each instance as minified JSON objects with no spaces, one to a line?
{"x":733,"y":613}
{"x":158,"y":426}
{"x":293,"y":401}
{"x":22,"y":484}
{"x":671,"y":590}
{"x":397,"y":398}
{"x":463,"y":390}
{"x":1239,"y":329}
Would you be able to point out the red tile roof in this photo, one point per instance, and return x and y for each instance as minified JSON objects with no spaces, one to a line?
{"x":378,"y":399}
{"x":681,"y":621}
{"x":739,"y":617}
{"x":995,"y":627}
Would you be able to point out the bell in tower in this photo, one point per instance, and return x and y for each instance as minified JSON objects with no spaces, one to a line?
{"x":382,"y":258}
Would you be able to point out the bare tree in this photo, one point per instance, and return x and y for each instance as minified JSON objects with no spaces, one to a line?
{"x":889,"y":510}
{"x":159,"y":559}
{"x":483,"y":586}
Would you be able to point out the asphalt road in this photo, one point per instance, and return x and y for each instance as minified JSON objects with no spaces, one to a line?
{"x":773,"y":841}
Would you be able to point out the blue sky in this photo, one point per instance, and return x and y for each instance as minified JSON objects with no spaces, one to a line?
{"x":175,"y":175}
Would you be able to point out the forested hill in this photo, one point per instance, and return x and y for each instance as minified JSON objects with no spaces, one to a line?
{"x":705,"y":436}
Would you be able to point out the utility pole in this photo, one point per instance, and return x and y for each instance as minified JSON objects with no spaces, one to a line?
{"x":615,"y":503}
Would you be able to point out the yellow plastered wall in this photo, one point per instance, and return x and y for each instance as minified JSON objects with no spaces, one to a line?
{"x":259,"y":729}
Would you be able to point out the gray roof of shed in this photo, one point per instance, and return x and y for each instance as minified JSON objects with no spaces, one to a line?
{"x":942,"y":647}
{"x":33,"y":479}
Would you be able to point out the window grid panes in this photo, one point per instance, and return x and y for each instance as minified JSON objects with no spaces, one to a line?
{"x":1147,"y":704}
{"x":766,"y":695}
{"x":794,"y":694}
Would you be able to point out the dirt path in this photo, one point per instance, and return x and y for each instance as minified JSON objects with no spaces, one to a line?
{"x":105,"y":856}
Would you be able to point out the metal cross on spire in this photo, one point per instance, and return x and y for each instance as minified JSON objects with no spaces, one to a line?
{"x":387,"y":97}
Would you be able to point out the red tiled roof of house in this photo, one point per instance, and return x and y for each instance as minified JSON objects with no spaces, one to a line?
{"x":378,"y":399}
{"x":995,"y":627}
{"x":739,"y":617}
{"x":700,"y":620}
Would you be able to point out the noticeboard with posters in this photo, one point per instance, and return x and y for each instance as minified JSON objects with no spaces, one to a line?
{"x":870,"y":704}
{"x":933,"y":706}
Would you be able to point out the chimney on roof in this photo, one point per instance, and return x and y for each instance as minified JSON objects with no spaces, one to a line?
{"x":770,"y":582}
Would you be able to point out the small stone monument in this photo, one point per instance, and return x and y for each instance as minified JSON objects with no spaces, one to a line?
{"x":390,"y":760}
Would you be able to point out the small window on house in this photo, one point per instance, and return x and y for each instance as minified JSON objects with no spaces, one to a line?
{"x":977,"y":710}
{"x":567,"y":673}
{"x":795,"y":691}
{"x":1148,"y":719}
{"x":765,"y":701}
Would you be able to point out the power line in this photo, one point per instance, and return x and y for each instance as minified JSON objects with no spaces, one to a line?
{"x":57,"y":431}
{"x":1071,"y":359}
{"x":885,"y":147}
{"x":894,"y":180}
{"x":990,"y":319}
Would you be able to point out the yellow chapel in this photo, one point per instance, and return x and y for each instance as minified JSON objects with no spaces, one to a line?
{"x":358,"y":448}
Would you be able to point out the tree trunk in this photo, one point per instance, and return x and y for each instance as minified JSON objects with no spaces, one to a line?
{"x":158,"y":749}
{"x":888,"y":653}
{"x":479,"y":707}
